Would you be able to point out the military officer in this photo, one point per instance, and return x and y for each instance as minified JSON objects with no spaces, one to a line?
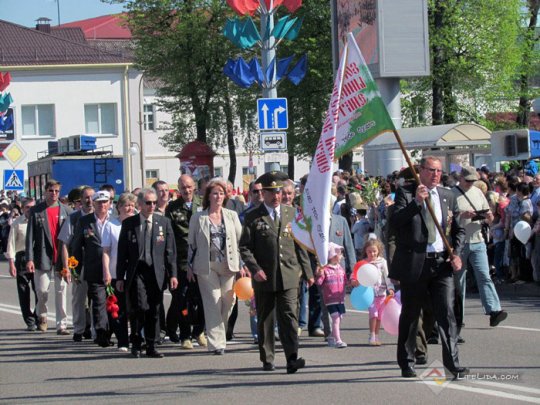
{"x":276,"y":263}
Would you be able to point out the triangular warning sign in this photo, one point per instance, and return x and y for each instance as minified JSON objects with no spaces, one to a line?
{"x":14,"y":181}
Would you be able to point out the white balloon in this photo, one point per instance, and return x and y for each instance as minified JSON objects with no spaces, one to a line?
{"x":368,"y":275}
{"x":522,"y":230}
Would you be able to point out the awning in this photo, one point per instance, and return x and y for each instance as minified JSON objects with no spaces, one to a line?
{"x":435,"y":136}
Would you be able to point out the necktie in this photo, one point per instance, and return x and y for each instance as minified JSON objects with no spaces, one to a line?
{"x":147,"y":243}
{"x":276,"y":219}
{"x":430,"y":224}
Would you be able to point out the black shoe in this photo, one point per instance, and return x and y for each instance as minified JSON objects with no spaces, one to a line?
{"x":268,"y":367}
{"x":136,"y":353}
{"x":420,"y":360}
{"x":77,"y":337}
{"x":460,"y":340}
{"x":497,"y":317}
{"x":294,"y":365}
{"x":229,"y":336}
{"x":31,"y":327}
{"x":408,"y":372}
{"x":87,"y":334}
{"x":256,"y":341}
{"x":460,"y":373}
{"x":433,"y":341}
{"x":219,"y":352}
{"x":153,"y":353}
{"x":173,"y":337}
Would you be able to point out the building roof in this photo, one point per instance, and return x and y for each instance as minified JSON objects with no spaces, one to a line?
{"x":104,"y":27}
{"x":74,"y":34}
{"x":22,"y":46}
{"x":433,"y":136}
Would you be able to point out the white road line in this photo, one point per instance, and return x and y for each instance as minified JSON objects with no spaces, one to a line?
{"x":12,"y":309}
{"x":519,"y":328}
{"x":507,"y":386}
{"x":490,"y":392}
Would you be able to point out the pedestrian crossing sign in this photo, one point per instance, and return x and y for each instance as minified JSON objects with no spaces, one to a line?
{"x":14,"y":180}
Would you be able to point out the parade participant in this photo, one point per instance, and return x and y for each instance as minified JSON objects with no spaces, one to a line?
{"x":43,"y":255}
{"x":79,"y":287}
{"x":186,"y":302}
{"x":422,"y":265}
{"x":17,"y":265}
{"x":275,"y":262}
{"x":85,"y":246}
{"x":146,"y":262}
{"x":214,"y":258}
{"x":332,"y":280}
{"x":109,"y":243}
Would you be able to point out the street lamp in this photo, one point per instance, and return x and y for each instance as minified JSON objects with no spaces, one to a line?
{"x":134,"y":149}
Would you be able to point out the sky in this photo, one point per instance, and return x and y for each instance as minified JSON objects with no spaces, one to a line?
{"x":26,"y":12}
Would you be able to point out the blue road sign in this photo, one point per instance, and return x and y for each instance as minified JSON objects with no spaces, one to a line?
{"x":272,"y":113}
{"x":14,"y":180}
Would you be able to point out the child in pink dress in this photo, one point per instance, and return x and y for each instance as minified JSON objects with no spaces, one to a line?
{"x":332,"y":279}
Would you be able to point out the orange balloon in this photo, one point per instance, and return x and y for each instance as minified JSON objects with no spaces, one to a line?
{"x":243,"y":289}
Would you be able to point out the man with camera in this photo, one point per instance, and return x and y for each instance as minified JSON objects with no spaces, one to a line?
{"x":474,"y":213}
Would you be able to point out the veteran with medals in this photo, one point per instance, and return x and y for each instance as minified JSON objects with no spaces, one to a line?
{"x":276,"y":263}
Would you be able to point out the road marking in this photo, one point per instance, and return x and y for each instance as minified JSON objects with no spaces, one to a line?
{"x":12,"y":309}
{"x":508,"y":386}
{"x":519,"y":328}
{"x":493,"y":393}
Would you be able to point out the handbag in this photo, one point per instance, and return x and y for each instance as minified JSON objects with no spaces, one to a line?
{"x":485,"y":227}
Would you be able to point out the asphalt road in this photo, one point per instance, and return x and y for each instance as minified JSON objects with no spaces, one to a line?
{"x":46,"y":368}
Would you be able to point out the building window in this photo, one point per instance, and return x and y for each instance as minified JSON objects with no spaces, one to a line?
{"x":152,"y":174}
{"x":149,"y":117}
{"x":38,"y":119}
{"x":249,"y":170}
{"x":100,"y":118}
{"x":218,"y":171}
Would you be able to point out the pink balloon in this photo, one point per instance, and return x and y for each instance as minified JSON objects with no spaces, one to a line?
{"x":390,"y":317}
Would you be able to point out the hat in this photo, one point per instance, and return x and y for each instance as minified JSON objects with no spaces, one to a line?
{"x":469,"y":173}
{"x":101,"y":195}
{"x":272,"y":180}
{"x":4,"y":202}
{"x":333,"y":249}
{"x":75,"y":194}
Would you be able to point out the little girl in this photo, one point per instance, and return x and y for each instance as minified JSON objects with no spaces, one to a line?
{"x":332,"y":279}
{"x":373,"y":252}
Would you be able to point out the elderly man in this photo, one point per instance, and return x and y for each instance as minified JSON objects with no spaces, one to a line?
{"x":146,"y":263}
{"x":187,"y":296}
{"x":275,"y":262}
{"x":423,"y":266}
{"x":43,"y":255}
{"x":288,"y":193}
{"x":85,"y":245}
{"x":473,"y":211}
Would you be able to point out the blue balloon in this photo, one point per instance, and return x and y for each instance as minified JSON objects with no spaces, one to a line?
{"x":362,"y":297}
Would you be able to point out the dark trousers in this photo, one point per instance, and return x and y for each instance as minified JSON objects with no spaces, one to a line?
{"x":232,"y":319}
{"x":25,"y":285}
{"x":283,"y":306}
{"x":185,"y":309}
{"x":145,"y":299}
{"x":314,"y":304}
{"x":437,"y":280}
{"x":98,"y":296}
{"x":119,"y":326}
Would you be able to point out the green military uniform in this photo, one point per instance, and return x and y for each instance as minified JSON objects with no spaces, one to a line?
{"x":270,"y":247}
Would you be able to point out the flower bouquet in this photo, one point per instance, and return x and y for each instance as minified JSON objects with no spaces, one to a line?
{"x":112,"y":302}
{"x":72,"y":266}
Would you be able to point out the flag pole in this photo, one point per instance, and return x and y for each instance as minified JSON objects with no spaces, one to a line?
{"x":429,"y":207}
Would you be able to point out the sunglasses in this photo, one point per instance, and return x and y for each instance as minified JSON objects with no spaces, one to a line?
{"x":256,"y":191}
{"x":150,"y":202}
{"x":53,"y":191}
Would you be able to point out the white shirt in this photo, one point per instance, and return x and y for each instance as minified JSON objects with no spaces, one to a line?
{"x":438,"y":245}
{"x":109,"y":239}
{"x":273,"y":211}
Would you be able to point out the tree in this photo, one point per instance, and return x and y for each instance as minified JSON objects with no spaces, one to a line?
{"x":474,"y":59}
{"x":529,"y":63}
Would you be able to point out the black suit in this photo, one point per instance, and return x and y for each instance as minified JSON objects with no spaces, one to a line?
{"x":423,"y":278}
{"x":145,"y":284}
{"x":85,"y":245}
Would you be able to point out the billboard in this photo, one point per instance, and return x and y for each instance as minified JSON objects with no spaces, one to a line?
{"x":392,"y":35}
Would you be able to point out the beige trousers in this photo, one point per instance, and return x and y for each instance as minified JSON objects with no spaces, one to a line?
{"x":42,"y":280}
{"x":218,"y":299}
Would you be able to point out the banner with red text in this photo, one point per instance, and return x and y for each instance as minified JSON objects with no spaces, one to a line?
{"x":356,"y":115}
